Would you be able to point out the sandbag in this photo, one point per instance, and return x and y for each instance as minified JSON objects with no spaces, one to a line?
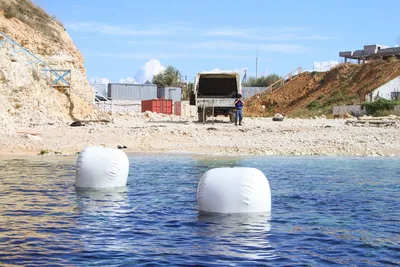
{"x":98,"y":167}
{"x":233,"y":190}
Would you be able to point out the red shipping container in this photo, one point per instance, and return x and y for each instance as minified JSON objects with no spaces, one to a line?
{"x":157,"y":105}
{"x":178,"y":108}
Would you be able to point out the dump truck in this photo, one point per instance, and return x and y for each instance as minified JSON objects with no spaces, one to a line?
{"x":214,"y":94}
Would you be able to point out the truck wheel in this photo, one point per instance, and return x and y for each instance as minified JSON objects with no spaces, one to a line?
{"x":232,"y":117}
{"x":201,"y":116}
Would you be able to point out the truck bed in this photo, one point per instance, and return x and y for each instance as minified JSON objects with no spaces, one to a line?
{"x":215,"y":102}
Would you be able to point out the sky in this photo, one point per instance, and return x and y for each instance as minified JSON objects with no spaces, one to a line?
{"x":130,"y":41}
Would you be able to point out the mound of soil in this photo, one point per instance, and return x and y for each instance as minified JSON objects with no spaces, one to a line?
{"x":345,"y":84}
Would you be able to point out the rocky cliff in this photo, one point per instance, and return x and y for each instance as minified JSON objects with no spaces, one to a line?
{"x":26,"y":98}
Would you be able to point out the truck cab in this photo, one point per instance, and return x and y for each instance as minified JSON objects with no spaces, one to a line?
{"x":214,"y":93}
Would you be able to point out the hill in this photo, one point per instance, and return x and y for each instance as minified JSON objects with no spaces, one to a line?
{"x":317,"y":92}
{"x":25,"y":97}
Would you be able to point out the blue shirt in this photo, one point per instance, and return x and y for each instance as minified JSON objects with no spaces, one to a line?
{"x":239,"y":104}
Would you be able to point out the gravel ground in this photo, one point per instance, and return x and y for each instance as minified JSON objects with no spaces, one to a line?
{"x":157,"y":133}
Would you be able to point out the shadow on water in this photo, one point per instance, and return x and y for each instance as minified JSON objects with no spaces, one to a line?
{"x":104,"y":215}
{"x":237,"y":235}
{"x":102,"y":200}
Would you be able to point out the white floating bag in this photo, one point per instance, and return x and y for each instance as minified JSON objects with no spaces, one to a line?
{"x":98,"y":167}
{"x":234,"y":190}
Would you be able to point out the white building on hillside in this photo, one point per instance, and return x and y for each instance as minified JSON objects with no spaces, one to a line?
{"x":390,"y":91}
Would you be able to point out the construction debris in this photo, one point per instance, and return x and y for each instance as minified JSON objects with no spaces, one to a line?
{"x":366,"y":121}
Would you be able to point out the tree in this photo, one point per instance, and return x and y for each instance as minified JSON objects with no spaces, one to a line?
{"x":169,"y":77}
{"x":172,"y":77}
{"x":272,"y":78}
{"x":263,"y":81}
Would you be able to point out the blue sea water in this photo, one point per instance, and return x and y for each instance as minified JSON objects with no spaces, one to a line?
{"x":326,"y":211}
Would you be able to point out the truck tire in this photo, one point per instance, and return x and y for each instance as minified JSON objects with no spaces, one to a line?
{"x":232,"y":117}
{"x":201,"y":116}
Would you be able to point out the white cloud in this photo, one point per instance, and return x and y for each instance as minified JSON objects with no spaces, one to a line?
{"x":156,"y":30}
{"x":238,"y":70}
{"x":240,"y":33}
{"x":225,"y":46}
{"x":145,"y":72}
{"x":127,"y":80}
{"x":269,"y":34}
{"x":264,"y":34}
{"x":99,"y":80}
{"x":228,"y":45}
{"x":148,"y":70}
{"x":180,"y":55}
{"x":324,"y":65}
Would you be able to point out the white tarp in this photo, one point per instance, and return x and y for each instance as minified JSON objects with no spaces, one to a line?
{"x":234,"y":190}
{"x":98,"y":167}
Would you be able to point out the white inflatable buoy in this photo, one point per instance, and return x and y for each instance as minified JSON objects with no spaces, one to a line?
{"x":234,"y":190}
{"x":98,"y":167}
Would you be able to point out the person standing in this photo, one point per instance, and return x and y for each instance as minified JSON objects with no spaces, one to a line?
{"x":239,"y":103}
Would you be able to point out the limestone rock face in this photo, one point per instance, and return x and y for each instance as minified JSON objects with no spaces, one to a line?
{"x":25,"y":97}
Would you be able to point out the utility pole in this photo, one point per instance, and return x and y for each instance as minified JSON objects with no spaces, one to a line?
{"x":256,"y":63}
{"x":244,"y":80}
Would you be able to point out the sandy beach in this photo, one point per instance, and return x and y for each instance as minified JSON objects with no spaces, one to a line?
{"x":158,"y":133}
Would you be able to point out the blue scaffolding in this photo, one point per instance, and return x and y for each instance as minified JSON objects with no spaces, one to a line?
{"x":54,"y":77}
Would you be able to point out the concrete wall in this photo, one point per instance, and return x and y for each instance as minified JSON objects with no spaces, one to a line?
{"x":248,"y":92}
{"x":389,"y":51}
{"x":351,"y":109}
{"x":385,"y":90}
{"x":188,"y":110}
{"x":120,"y":106}
{"x":355,"y":110}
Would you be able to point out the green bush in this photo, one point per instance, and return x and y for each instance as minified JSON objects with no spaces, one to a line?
{"x":32,"y":15}
{"x":378,"y":106}
{"x":313,"y":105}
{"x":44,"y":152}
{"x":8,"y":15}
{"x":263,"y":81}
{"x":340,"y":97}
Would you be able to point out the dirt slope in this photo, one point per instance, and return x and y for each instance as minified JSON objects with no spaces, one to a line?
{"x":345,"y":84}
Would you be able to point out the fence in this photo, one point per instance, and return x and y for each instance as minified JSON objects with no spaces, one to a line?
{"x":54,"y":77}
{"x":57,"y":78}
{"x":120,"y":91}
{"x":288,"y":77}
{"x":100,"y":88}
{"x":248,"y":92}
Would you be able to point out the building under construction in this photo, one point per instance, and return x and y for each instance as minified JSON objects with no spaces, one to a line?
{"x":371,"y":52}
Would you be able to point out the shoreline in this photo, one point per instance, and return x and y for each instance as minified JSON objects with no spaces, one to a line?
{"x":189,"y":154}
{"x":150,"y":133}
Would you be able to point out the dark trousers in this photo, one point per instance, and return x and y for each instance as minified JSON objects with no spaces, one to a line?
{"x":239,"y":116}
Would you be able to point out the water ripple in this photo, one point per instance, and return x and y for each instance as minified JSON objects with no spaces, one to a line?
{"x":326,"y":211}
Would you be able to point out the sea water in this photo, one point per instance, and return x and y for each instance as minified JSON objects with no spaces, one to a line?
{"x":325,"y":211}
